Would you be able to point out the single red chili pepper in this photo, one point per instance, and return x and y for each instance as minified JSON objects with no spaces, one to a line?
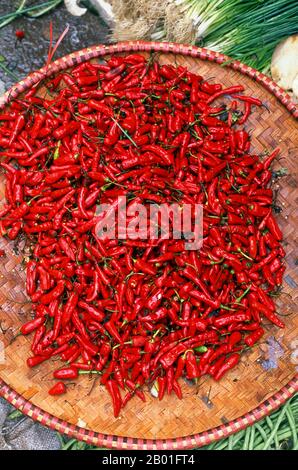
{"x":190,"y":274}
{"x":234,"y":339}
{"x":113,"y":390}
{"x":32,"y":325}
{"x":18,"y":126}
{"x":64,"y":338}
{"x":227,"y":91}
{"x":20,"y":34}
{"x":210,"y":88}
{"x":36,"y":360}
{"x":271,"y":224}
{"x":269,"y":314}
{"x":249,"y":99}
{"x":170,"y":377}
{"x":66,"y":373}
{"x":127,"y":397}
{"x":58,"y":389}
{"x":55,"y":293}
{"x":244,"y":327}
{"x":204,"y":362}
{"x":31,"y":277}
{"x":268,"y":160}
{"x":268,"y":276}
{"x":69,"y":308}
{"x":252,"y":247}
{"x":39,"y":333}
{"x":162,"y":383}
{"x":203,"y":298}
{"x":67,"y":249}
{"x":111,"y":328}
{"x":212,"y":369}
{"x":87,"y":345}
{"x":145,"y":267}
{"x":223,"y":349}
{"x":270,"y":240}
{"x":44,"y":278}
{"x":246,"y":114}
{"x":267,"y":260}
{"x":229,"y":364}
{"x":101,"y":107}
{"x":227,"y":318}
{"x":177,"y":389}
{"x":170,"y":357}
{"x":192,"y":370}
{"x":253,"y":337}
{"x":279,"y":276}
{"x":180,"y":367}
{"x":93,"y":311}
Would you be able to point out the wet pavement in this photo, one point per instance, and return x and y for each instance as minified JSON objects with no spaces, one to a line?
{"x":23,"y":57}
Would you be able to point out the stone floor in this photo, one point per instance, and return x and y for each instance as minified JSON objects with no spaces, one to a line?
{"x":30,"y":54}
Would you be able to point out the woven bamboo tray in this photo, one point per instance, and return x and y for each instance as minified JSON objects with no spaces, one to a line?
{"x":265,"y":378}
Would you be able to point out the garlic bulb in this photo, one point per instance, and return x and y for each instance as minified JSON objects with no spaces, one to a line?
{"x":284,"y":63}
{"x":105,"y":10}
{"x":295,"y":86}
{"x":73,"y":8}
{"x":154,"y":389}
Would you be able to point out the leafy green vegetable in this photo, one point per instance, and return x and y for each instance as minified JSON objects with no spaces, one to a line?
{"x":247,"y":30}
{"x":39,"y":10}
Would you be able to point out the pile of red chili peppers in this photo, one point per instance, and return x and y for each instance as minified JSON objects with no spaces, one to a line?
{"x":139,"y":313}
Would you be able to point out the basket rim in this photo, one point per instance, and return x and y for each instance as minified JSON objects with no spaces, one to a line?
{"x":88,"y":53}
{"x":120,"y":442}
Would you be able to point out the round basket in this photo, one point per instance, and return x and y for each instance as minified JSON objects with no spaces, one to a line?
{"x":265,"y":378}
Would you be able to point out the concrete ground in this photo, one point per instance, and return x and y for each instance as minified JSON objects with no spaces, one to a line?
{"x":30,"y":54}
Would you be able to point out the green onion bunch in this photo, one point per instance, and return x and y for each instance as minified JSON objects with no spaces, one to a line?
{"x":32,"y":11}
{"x":247,"y":30}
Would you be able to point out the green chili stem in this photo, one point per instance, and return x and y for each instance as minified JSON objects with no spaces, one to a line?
{"x":124,"y":132}
{"x":82,"y":372}
{"x":238,"y":300}
{"x":9,"y":72}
